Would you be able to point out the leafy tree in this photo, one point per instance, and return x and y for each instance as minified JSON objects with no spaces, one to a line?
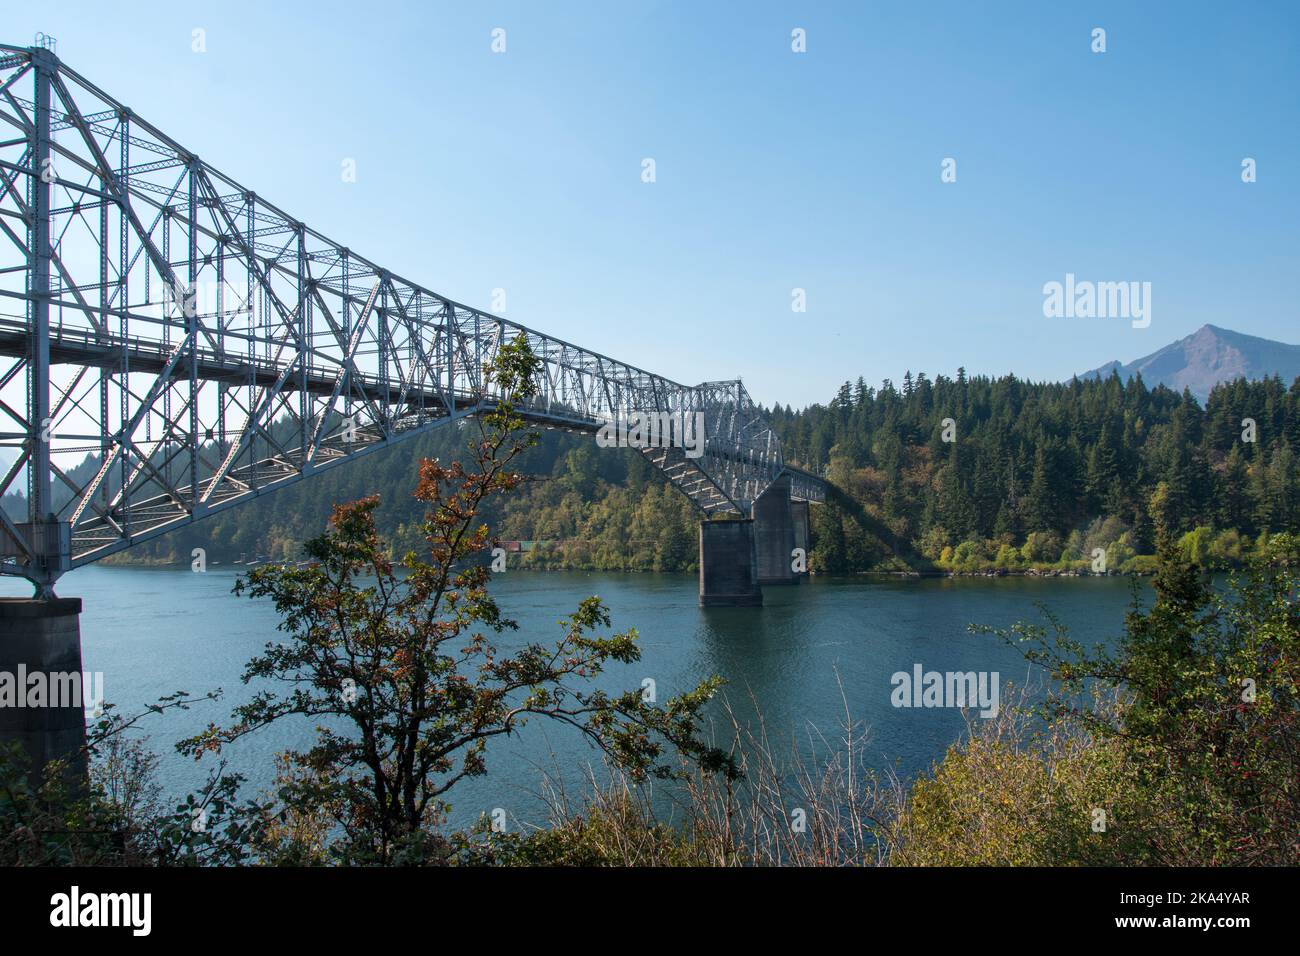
{"x":394,"y":658}
{"x":1202,"y":746}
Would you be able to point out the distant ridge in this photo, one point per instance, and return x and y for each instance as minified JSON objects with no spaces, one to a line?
{"x":1206,"y":357}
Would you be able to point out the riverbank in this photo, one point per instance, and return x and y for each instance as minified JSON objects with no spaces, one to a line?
{"x":1084,"y":570}
{"x":1007,"y":573}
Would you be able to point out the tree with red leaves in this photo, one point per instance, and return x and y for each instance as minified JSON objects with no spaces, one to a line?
{"x":395,"y":658}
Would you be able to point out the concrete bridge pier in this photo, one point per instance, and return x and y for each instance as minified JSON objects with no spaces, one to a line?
{"x":728,"y":565}
{"x":774,"y":534}
{"x":43,"y":637}
{"x":799,"y":515}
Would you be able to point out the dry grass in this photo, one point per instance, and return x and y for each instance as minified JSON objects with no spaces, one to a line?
{"x":787,"y":809}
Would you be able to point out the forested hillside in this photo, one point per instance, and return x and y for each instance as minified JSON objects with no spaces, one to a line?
{"x":600,"y":508}
{"x":1035,"y":476}
{"x":1039,"y":473}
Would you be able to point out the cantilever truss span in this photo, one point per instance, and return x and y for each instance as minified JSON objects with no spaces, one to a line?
{"x":176,"y":344}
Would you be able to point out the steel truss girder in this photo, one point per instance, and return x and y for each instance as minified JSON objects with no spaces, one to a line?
{"x":202,"y":347}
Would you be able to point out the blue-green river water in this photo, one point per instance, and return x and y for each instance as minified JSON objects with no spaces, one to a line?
{"x":810,"y":651}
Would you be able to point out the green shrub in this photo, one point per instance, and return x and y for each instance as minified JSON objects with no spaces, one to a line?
{"x":1139,"y":564}
{"x":1008,"y":558}
{"x":1042,"y":547}
{"x":1191,"y":758}
{"x":1120,"y":551}
{"x":934,"y":543}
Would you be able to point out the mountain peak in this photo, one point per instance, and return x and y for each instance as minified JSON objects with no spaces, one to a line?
{"x":1210,"y":355}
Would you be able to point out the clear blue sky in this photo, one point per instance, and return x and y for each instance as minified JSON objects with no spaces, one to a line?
{"x":775,"y":170}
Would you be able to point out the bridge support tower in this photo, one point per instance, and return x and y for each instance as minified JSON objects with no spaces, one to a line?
{"x":799,"y":515}
{"x":774,"y":534}
{"x":728,"y":565}
{"x":43,"y":637}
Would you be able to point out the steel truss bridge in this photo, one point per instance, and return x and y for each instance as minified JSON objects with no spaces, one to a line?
{"x":173,"y":344}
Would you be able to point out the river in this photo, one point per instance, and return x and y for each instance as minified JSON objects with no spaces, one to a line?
{"x":153,"y":631}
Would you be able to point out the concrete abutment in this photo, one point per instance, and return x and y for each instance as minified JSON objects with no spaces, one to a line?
{"x":42,"y":638}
